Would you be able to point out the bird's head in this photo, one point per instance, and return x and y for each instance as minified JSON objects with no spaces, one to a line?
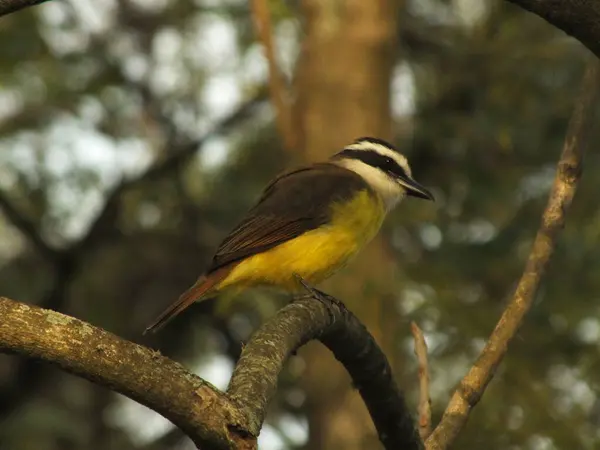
{"x":383,"y":167}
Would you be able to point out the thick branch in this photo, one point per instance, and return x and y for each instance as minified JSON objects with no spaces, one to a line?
{"x":254,"y":380}
{"x":11,"y":6}
{"x":553,"y":220}
{"x":205,"y":414}
{"x":578,"y":18}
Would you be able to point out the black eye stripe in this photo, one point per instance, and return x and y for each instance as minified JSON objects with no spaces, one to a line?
{"x":374,"y":159}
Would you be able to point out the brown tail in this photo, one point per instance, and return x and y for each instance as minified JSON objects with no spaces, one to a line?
{"x":200,"y":288}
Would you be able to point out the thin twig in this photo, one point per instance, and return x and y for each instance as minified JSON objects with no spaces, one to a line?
{"x":278,"y":88}
{"x":424,"y":399}
{"x":563,"y":189}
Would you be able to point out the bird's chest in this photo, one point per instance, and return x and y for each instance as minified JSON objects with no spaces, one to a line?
{"x":358,"y":220}
{"x":317,"y":254}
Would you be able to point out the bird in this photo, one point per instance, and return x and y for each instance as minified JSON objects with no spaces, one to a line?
{"x":308,"y":223}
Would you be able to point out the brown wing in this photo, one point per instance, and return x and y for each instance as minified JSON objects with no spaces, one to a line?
{"x":292,"y":204}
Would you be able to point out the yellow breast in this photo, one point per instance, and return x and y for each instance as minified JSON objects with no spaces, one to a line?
{"x":317,"y":254}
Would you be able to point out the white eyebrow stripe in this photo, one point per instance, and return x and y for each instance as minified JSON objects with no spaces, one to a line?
{"x":382,"y":150}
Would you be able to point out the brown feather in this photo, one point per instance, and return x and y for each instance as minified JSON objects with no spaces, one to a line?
{"x":290,"y":206}
{"x":190,"y":296}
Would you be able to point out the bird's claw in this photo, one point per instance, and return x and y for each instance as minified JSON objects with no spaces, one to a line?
{"x":315,"y":293}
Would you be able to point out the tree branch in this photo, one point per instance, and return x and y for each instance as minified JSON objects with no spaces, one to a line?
{"x":567,"y":177}
{"x":254,"y":380}
{"x":203,"y":412}
{"x":11,"y":6}
{"x":424,"y":399}
{"x":578,"y":18}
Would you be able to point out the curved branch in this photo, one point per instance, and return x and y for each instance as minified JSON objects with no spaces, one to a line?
{"x":254,"y":380}
{"x":203,"y":412}
{"x":567,"y":177}
{"x":577,"y":18}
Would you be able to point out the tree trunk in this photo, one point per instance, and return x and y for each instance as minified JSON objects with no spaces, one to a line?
{"x":343,"y":91}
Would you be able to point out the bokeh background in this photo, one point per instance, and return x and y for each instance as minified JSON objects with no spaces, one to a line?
{"x":135,"y":133}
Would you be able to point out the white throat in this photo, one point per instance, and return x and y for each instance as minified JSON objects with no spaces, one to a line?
{"x":388,"y":190}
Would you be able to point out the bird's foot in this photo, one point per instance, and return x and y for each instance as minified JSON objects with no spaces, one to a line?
{"x":315,"y":293}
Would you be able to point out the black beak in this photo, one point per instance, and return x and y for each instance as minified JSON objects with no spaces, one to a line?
{"x":415,"y":189}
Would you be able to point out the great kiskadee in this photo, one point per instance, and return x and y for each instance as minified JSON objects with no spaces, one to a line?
{"x":308,"y":222}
